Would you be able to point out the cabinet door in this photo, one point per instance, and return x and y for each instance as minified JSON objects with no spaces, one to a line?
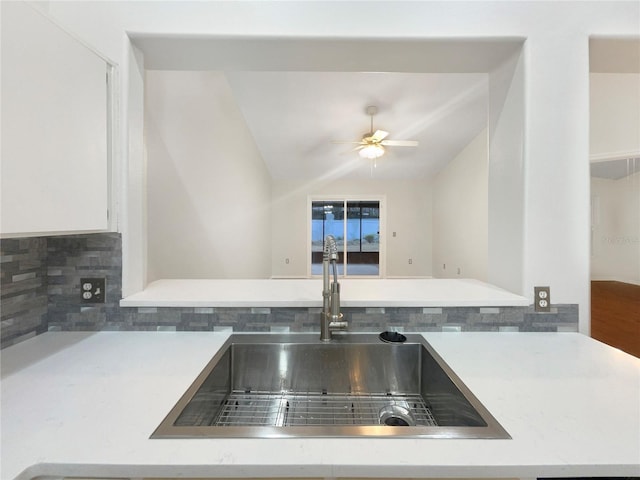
{"x":54,"y":152}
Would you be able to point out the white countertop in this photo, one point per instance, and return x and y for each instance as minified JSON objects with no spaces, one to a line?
{"x":306,"y":292}
{"x":84,"y":404}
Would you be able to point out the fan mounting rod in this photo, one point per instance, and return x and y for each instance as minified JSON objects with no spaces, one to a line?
{"x":371,"y":111}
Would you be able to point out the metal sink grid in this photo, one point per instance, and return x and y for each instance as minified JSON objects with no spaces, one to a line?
{"x":294,"y":409}
{"x":294,"y":385}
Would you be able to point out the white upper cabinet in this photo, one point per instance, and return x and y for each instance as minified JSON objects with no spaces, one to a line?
{"x":55,"y":141}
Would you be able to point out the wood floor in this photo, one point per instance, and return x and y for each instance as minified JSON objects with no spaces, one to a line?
{"x":615,"y":315}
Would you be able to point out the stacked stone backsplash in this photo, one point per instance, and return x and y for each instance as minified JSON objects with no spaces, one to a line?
{"x":40,"y":287}
{"x":23,"y":288}
{"x":375,"y":319}
{"x":73,"y":257}
{"x":41,"y":291}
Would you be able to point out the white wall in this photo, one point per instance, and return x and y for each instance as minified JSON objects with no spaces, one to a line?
{"x":134,"y":177}
{"x":556,"y":61}
{"x":615,"y":115}
{"x":460,"y":214}
{"x":556,"y":185}
{"x":616,"y":229}
{"x":506,"y":176}
{"x":408,"y":213}
{"x":201,"y":224}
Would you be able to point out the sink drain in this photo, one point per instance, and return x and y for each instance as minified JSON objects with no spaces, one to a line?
{"x":396,"y":416}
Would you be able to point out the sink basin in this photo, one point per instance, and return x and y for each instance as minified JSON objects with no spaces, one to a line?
{"x":294,"y":385}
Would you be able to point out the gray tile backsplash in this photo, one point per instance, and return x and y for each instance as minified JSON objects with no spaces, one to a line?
{"x":72,"y":257}
{"x":41,"y":291}
{"x":23,"y":288}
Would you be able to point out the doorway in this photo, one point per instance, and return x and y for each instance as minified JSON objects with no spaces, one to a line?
{"x":615,"y":192}
{"x":355,"y":224}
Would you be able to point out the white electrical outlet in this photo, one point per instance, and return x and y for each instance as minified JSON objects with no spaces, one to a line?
{"x":542,"y":299}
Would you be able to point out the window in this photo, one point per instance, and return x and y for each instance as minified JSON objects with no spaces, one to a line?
{"x":355,"y":224}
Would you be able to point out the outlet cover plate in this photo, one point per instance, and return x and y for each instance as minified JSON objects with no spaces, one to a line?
{"x":93,"y":290}
{"x":542,"y":299}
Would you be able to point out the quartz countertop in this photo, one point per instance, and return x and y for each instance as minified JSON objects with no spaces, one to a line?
{"x":84,"y":404}
{"x":307,"y":292}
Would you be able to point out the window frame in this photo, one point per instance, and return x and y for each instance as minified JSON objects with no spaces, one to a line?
{"x":381,"y":199}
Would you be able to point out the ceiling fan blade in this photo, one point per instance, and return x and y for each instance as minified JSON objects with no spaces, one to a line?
{"x":400,"y":143}
{"x":378,"y":136}
{"x":345,"y":141}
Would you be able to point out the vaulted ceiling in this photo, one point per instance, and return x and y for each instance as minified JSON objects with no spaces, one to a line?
{"x":296,"y":116}
{"x":298,"y":96}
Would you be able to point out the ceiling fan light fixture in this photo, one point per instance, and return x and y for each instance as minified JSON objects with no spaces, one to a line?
{"x":371,"y":151}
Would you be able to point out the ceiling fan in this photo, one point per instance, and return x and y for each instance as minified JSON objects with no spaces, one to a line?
{"x":373,"y":143}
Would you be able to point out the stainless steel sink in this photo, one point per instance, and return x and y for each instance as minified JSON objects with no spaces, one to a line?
{"x":265,"y":385}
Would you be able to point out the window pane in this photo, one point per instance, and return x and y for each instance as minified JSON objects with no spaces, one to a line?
{"x":334,"y":222}
{"x":317,"y":226}
{"x":363,"y":238}
{"x":361,"y":220}
{"x":327,"y":218}
{"x":353,"y":228}
{"x":370,"y":226}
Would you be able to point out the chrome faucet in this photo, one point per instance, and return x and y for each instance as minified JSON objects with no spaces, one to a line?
{"x":331,"y":318}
